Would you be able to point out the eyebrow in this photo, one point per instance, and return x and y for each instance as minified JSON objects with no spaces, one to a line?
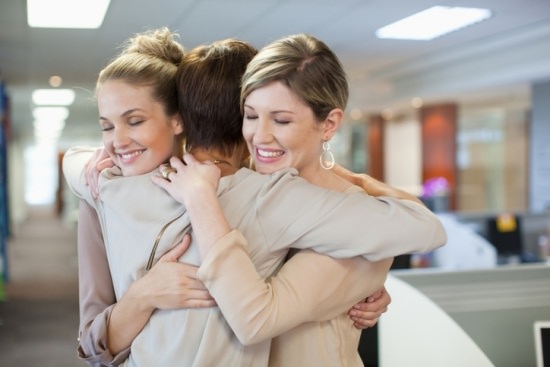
{"x":125,"y":113}
{"x":272,"y":112}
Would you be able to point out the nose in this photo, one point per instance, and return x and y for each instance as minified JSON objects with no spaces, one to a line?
{"x":263,"y":132}
{"x":120,"y":137}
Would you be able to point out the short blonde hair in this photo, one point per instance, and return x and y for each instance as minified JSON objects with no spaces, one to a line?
{"x":307,"y":66}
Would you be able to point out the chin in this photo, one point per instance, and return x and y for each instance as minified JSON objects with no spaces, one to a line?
{"x":267,"y":168}
{"x":131,"y":171}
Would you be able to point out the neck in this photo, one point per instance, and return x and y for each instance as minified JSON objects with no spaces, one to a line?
{"x":228,"y":164}
{"x":319,"y":176}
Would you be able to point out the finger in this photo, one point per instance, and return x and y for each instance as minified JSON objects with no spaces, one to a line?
{"x":197,"y":295}
{"x":105,"y":163}
{"x":188,"y":158}
{"x":374,"y":297}
{"x":367,"y":309}
{"x":366,"y":306}
{"x":94,"y":183}
{"x":175,"y":253}
{"x":201,"y":303}
{"x":186,"y":241}
{"x":179,"y":164}
{"x":339,"y":170}
{"x":364,"y":315}
{"x":162,"y":167}
{"x":364,"y":325}
{"x":159,"y":181}
{"x":366,"y":320}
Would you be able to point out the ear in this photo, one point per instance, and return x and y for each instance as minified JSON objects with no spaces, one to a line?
{"x":177,"y":124}
{"x":332,"y":122}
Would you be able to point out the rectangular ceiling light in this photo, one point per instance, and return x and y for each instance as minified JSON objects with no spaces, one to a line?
{"x":433,"y":22}
{"x":53,"y":97}
{"x":66,"y":13}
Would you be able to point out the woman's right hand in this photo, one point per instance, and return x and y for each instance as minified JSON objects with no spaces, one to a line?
{"x":99,"y":161}
{"x":366,"y":314}
{"x":172,"y":285}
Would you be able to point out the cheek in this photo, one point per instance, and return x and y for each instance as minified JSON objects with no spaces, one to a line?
{"x":107,"y":140}
{"x":247,"y":131}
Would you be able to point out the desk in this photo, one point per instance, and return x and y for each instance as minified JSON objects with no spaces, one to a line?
{"x":496,"y":307}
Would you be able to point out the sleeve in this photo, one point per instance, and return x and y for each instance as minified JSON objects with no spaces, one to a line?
{"x":74,"y":164}
{"x":309,"y":287}
{"x":293,"y":212}
{"x":96,"y":293}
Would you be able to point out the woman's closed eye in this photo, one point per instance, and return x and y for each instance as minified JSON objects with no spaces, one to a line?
{"x":105,"y":126}
{"x":135,"y":122}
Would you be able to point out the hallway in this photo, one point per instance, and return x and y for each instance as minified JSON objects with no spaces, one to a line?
{"x":39,"y":316}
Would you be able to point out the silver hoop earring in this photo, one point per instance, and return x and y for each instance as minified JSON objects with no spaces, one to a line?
{"x":327,"y":158}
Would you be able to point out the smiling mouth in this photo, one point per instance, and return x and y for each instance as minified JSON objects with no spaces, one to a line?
{"x":130,"y":155}
{"x":269,"y":154}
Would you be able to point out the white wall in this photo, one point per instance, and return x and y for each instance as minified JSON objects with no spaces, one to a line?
{"x":403,"y":154}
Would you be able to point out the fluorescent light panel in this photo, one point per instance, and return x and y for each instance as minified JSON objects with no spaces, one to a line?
{"x":66,"y":13}
{"x":50,"y":113}
{"x":53,"y":97}
{"x":433,"y":22}
{"x":49,"y":126}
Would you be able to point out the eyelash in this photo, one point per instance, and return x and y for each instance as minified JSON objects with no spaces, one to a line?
{"x":135,"y":123}
{"x":280,"y":122}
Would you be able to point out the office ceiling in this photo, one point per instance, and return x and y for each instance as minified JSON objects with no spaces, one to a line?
{"x":493,"y":60}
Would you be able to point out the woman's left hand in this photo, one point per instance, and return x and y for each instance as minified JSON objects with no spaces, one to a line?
{"x":366,"y":314}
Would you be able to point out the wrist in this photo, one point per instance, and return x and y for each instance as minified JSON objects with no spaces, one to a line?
{"x":138,"y":298}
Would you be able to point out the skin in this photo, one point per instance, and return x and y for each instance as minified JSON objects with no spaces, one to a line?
{"x":281,"y":131}
{"x":135,"y":127}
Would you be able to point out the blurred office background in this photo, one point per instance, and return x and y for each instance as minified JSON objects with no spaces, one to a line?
{"x":461,"y":120}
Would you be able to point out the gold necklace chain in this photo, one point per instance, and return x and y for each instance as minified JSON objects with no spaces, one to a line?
{"x":220,"y":161}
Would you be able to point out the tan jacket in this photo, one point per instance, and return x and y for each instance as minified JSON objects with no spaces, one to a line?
{"x":274,"y":213}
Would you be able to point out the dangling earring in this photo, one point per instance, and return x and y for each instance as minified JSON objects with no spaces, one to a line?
{"x":327,"y":158}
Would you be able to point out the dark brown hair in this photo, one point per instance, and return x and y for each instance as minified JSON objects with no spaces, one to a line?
{"x":208,"y":82}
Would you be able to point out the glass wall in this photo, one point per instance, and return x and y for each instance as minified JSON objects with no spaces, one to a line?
{"x":492,"y":159}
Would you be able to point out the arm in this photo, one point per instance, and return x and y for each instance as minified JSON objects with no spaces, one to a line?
{"x":168,"y":285}
{"x":290,"y":211}
{"x":372,"y":186}
{"x":309,"y":287}
{"x":107,"y":328}
{"x":96,"y":294}
{"x":366,"y":313}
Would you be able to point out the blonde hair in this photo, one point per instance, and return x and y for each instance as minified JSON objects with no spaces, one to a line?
{"x":150,"y":59}
{"x":307,"y":66}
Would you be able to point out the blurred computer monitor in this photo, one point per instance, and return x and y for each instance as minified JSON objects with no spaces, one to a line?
{"x":542,"y":343}
{"x":504,"y":232}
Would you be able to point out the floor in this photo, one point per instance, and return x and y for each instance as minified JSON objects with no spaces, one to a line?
{"x":39,"y":315}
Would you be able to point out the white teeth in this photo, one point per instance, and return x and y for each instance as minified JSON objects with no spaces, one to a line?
{"x":130,"y":155}
{"x":266,"y":154}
